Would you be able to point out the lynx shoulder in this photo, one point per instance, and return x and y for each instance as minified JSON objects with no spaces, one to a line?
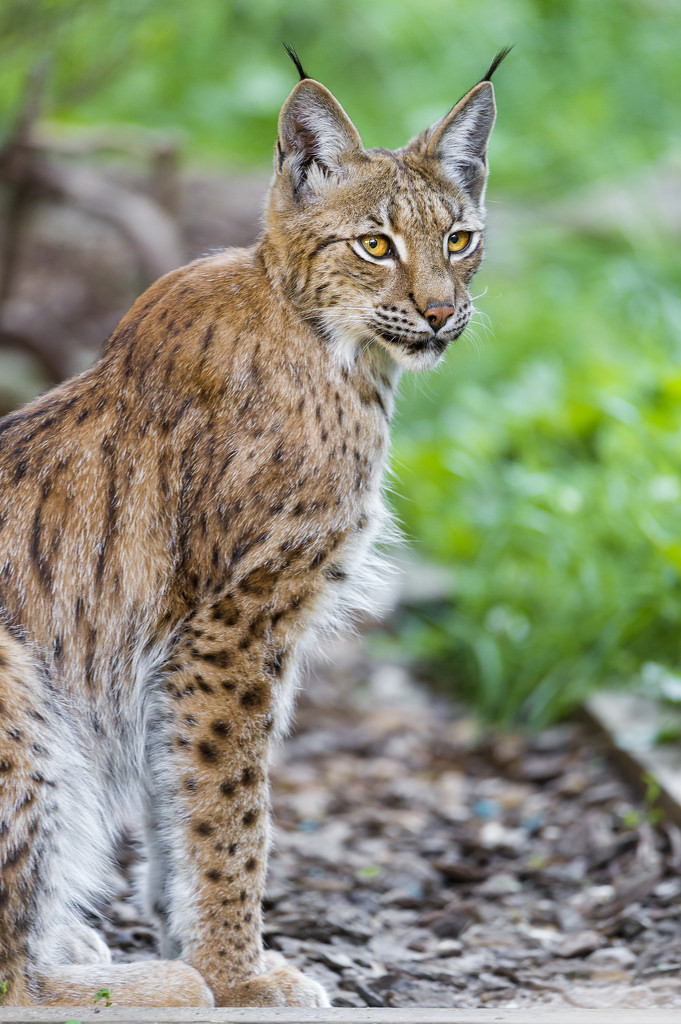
{"x":179,"y":522}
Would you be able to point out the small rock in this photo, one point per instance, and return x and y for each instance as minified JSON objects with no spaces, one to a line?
{"x":334,"y":959}
{"x":542,"y":768}
{"x":452,"y":924}
{"x":370,"y":997}
{"x":356,"y":1002}
{"x":493,"y":983}
{"x":573,"y":783}
{"x":603,"y":793}
{"x":449,"y":947}
{"x":596,"y":896}
{"x":668,"y":890}
{"x":579,"y":944}
{"x":555,"y":740}
{"x":486,"y":808}
{"x":459,"y":870}
{"x":568,"y":918}
{"x":497,"y":836}
{"x":507,"y":748}
{"x":608,"y":956}
{"x":412,"y":898}
{"x":418,"y":944}
{"x":500,"y":884}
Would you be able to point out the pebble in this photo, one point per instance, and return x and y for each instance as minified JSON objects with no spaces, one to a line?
{"x":496,"y":835}
{"x":449,"y":947}
{"x":621,"y":956}
{"x":500,"y":884}
{"x":578,"y":944}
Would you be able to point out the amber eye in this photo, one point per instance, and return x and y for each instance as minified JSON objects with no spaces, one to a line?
{"x":458,"y":241}
{"x":376,"y":245}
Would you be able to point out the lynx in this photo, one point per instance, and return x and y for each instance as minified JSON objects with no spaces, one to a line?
{"x":179,"y":523}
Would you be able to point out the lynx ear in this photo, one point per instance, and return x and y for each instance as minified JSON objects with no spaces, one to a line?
{"x":314,"y":131}
{"x":459,"y":140}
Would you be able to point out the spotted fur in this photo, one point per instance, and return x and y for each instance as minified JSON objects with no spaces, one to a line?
{"x":179,"y":523}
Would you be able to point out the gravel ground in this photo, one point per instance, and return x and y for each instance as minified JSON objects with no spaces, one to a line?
{"x":420,"y":863}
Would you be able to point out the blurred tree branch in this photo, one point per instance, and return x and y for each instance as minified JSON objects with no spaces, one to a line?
{"x":14,"y":168}
{"x":34,"y":168}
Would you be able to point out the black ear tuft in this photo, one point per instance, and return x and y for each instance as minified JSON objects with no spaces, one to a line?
{"x":502,"y":55}
{"x":296,"y":60}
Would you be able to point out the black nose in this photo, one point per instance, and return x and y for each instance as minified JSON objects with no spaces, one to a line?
{"x":437,"y":312}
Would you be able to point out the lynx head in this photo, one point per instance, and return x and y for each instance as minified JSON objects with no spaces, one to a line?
{"x":373,"y":246}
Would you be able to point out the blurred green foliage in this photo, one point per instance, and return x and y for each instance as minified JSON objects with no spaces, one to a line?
{"x":543,"y":465}
{"x":590,"y":86}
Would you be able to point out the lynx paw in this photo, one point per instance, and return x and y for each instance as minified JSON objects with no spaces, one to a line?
{"x":280,"y":985}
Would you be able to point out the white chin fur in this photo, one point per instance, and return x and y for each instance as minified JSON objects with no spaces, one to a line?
{"x":348,"y":340}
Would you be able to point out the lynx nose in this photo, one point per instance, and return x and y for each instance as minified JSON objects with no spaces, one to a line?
{"x":436,"y":313}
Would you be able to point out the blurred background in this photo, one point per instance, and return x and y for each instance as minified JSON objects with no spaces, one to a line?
{"x":538,"y":468}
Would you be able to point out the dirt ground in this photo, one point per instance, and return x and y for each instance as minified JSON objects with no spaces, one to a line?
{"x":419,"y":862}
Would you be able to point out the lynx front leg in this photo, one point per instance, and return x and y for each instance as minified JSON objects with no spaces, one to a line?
{"x":212,"y":779}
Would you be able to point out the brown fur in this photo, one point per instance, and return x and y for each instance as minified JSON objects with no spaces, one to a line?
{"x":175,"y":523}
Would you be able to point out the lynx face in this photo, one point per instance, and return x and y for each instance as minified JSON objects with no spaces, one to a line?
{"x":379,"y":246}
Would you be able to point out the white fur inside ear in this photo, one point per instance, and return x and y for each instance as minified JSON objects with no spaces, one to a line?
{"x":328,"y":140}
{"x":314,"y":130}
{"x":317,"y":180}
{"x":466,"y":137}
{"x":460,"y":141}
